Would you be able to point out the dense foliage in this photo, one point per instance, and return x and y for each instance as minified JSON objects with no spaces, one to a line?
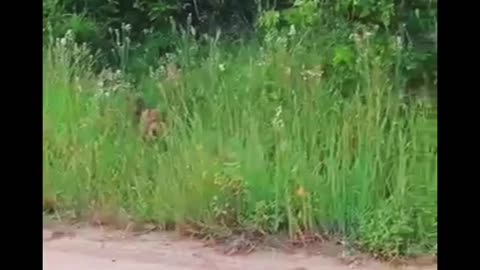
{"x":151,"y":22}
{"x":283,"y":116}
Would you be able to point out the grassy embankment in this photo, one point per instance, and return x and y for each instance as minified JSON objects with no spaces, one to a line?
{"x":258,"y":139}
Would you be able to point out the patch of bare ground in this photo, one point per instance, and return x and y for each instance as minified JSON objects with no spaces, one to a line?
{"x":141,"y":247}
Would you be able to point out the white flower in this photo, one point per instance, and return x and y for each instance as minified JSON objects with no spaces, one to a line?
{"x":69,"y":33}
{"x":292,"y":31}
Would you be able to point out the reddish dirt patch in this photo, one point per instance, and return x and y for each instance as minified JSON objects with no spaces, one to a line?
{"x":70,"y":248}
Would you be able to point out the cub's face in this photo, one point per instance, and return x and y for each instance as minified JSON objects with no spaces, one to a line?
{"x":151,"y":124}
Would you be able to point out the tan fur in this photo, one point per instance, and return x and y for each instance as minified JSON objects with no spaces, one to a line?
{"x":151,"y":122}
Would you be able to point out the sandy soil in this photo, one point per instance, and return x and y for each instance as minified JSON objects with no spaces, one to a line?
{"x":88,"y":248}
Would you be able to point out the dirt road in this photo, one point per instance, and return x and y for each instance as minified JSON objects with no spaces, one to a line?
{"x":84,"y":249}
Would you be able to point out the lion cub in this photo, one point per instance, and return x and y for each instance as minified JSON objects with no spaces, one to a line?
{"x":152,"y":122}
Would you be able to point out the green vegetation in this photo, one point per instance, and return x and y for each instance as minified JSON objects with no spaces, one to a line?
{"x":295,"y":129}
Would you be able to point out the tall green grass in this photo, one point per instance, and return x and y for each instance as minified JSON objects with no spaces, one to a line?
{"x":257,"y":138}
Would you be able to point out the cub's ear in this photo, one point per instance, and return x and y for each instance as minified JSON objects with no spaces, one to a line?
{"x":153,"y":115}
{"x":148,"y":115}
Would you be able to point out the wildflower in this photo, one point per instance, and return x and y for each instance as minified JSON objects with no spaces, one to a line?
{"x":292,"y":30}
{"x":69,"y":34}
{"x":189,"y":19}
